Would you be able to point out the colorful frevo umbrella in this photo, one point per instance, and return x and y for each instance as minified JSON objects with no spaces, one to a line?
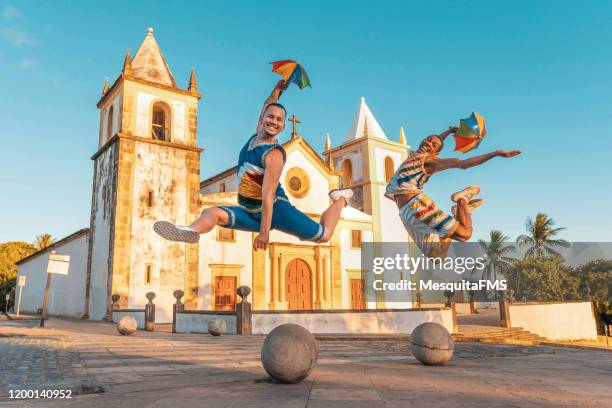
{"x":470,"y":133}
{"x":291,"y":71}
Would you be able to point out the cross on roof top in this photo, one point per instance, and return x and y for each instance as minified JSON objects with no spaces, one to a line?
{"x":295,"y":121}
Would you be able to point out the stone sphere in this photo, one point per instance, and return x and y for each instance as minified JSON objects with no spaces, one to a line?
{"x":431,"y":344}
{"x":289,"y":353}
{"x":127,"y":325}
{"x":217,"y":327}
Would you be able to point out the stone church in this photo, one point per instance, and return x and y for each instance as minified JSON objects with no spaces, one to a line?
{"x":147,"y":168}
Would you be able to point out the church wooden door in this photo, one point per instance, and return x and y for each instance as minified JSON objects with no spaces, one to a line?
{"x":225,"y":293}
{"x":298,"y":287}
{"x":357,"y":299}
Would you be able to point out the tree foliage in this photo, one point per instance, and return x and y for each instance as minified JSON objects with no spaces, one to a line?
{"x":43,"y":241}
{"x":540,"y":238}
{"x":10,"y":253}
{"x":542,"y":279}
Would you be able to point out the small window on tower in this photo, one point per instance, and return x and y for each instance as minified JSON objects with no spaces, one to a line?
{"x":222,"y":187}
{"x":150,"y":199}
{"x":109,"y":123}
{"x":160,"y":123}
{"x":356,"y":239}
{"x":148,"y":274}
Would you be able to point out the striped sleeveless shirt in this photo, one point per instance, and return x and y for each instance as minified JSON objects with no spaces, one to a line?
{"x":251,"y":167}
{"x":409,"y":177}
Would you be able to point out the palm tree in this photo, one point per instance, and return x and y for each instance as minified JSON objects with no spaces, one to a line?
{"x":496,"y":253}
{"x":43,"y":241}
{"x":540,"y":237}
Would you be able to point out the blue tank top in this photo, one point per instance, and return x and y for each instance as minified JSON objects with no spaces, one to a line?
{"x":251,"y":167}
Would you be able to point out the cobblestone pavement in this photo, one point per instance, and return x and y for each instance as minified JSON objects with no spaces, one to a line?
{"x":164,"y":370}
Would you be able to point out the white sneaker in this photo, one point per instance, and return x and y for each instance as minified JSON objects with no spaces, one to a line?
{"x":178,"y":233}
{"x":466,"y":193}
{"x":345,"y":193}
{"x":472,"y":205}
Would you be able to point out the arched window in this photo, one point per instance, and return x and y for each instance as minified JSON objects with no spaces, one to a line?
{"x":160,"y":122}
{"x":347,"y":173}
{"x":109,"y":123}
{"x":389,"y":168}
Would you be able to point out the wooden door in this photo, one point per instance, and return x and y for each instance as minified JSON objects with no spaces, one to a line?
{"x":225,"y":293}
{"x":357,"y":299}
{"x":298,"y":287}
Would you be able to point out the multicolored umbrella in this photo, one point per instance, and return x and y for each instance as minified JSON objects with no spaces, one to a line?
{"x":470,"y":133}
{"x":291,"y":71}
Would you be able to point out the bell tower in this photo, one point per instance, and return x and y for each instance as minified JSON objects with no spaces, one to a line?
{"x":147,"y":168}
{"x":367,"y":159}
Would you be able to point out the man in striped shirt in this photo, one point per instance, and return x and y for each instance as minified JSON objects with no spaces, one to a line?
{"x":431,"y":228}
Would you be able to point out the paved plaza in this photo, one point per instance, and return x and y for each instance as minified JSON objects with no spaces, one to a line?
{"x":159,"y":369}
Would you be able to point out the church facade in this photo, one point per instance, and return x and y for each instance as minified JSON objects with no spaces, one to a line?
{"x":147,"y":168}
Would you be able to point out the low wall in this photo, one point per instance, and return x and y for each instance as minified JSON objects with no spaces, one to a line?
{"x":487,"y":305}
{"x":463,"y":308}
{"x":387,"y":321}
{"x":196,"y":321}
{"x":555,"y":320}
{"x":137,"y":314}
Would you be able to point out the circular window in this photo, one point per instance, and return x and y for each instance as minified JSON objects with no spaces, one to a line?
{"x":297,"y":182}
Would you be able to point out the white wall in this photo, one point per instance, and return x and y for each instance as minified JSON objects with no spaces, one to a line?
{"x":67,"y":292}
{"x":198,"y":322}
{"x":556,"y":321}
{"x":101,"y":218}
{"x":232,"y":253}
{"x":317,"y":200}
{"x":363,"y":322}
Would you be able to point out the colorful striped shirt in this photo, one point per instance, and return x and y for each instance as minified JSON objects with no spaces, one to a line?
{"x":409,"y":177}
{"x":251,"y":168}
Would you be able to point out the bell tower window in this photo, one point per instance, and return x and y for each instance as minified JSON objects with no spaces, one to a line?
{"x":160,"y":123}
{"x":109,"y":123}
{"x":389,"y":168}
{"x":347,"y":173}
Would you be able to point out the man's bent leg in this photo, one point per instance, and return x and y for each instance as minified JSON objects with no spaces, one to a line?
{"x":209,"y":219}
{"x":464,"y":218}
{"x":330,"y":218}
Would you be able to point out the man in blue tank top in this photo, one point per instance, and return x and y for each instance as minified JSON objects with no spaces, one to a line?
{"x":262,"y":202}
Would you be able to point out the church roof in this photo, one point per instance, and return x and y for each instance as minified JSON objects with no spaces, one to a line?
{"x":364,"y":125}
{"x":149,"y":63}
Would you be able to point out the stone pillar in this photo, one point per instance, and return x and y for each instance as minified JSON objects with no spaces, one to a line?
{"x":454,"y":310}
{"x":177,"y":307}
{"x":281,"y":279}
{"x":273,"y":281}
{"x":327,"y":284}
{"x":115,"y":305}
{"x":150,"y":312}
{"x":318,"y":281}
{"x":449,"y":297}
{"x":321,"y":288}
{"x":244,"y":314}
{"x":419,"y":299}
{"x":504,"y":313}
{"x":473,"y":308}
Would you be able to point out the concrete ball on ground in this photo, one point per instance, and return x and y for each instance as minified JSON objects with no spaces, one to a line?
{"x":217,"y":327}
{"x":127,"y":325}
{"x":431,"y":344}
{"x":289,"y":353}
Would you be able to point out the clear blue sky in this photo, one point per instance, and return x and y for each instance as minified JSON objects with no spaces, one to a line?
{"x":540,"y":73}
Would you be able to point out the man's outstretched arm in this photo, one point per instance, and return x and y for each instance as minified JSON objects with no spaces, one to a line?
{"x":438,"y":165}
{"x":274,"y":97}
